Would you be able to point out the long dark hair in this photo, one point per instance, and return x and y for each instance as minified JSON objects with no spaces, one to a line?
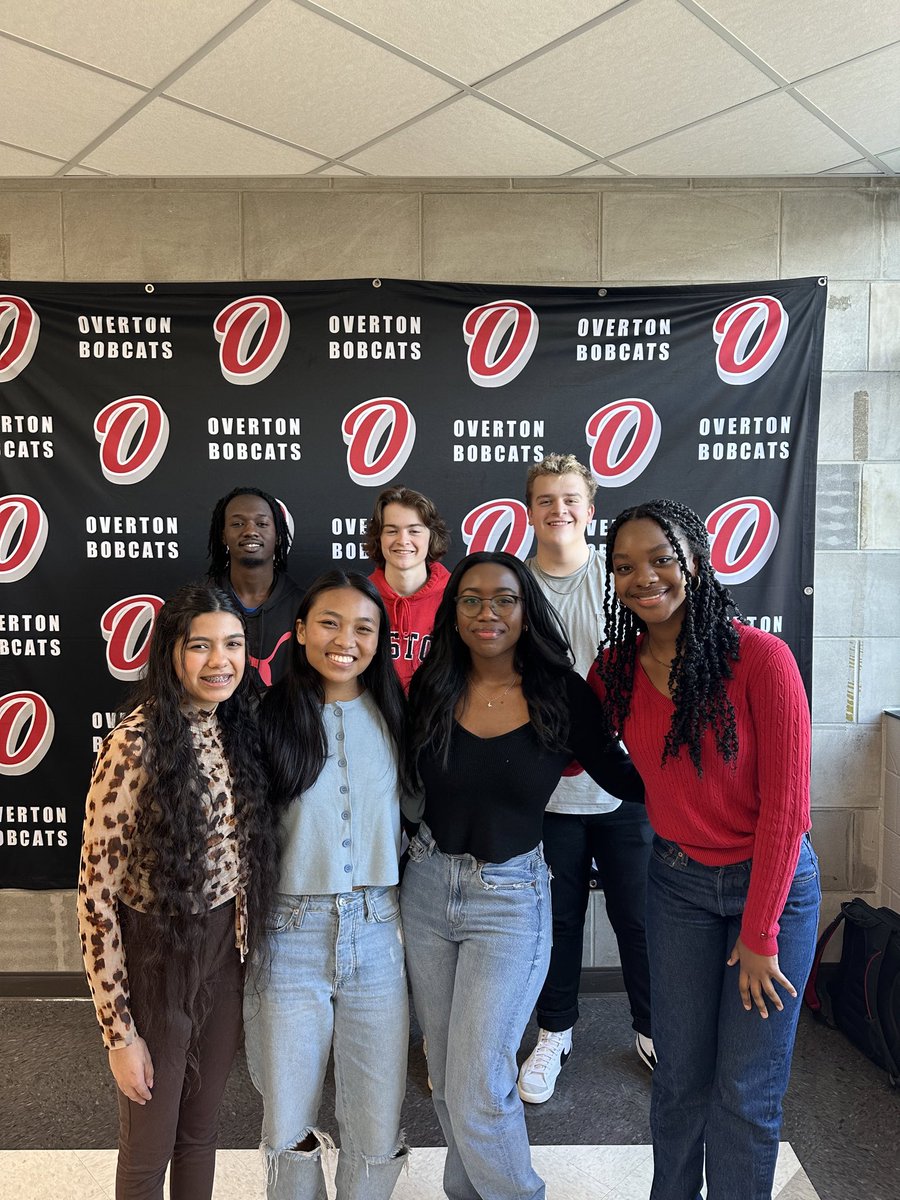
{"x":705,"y":648}
{"x":171,"y":827}
{"x":542,"y":658}
{"x":218,"y":552}
{"x":291,"y":714}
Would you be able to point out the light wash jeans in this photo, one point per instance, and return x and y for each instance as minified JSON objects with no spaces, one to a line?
{"x":337,"y":979}
{"x":722,"y":1071}
{"x":478,"y":944}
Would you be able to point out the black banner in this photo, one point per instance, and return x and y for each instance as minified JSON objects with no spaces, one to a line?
{"x":127,"y":410}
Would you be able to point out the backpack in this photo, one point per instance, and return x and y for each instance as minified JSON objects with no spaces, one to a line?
{"x":861,"y":994}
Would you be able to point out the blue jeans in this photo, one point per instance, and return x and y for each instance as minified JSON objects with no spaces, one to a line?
{"x":477,"y":944}
{"x":722,"y":1071}
{"x":336,"y":980}
{"x":619,"y":843}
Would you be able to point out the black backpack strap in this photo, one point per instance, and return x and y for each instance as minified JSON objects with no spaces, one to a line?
{"x":815,"y":996}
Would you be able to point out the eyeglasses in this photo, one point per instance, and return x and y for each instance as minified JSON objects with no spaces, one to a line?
{"x":500,"y":606}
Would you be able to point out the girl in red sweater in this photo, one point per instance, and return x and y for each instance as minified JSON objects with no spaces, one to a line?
{"x":715,"y":717}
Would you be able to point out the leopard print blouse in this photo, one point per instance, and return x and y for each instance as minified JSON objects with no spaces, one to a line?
{"x":114,"y":871}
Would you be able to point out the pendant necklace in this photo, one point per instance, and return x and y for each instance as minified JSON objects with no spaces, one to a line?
{"x":494,"y":699}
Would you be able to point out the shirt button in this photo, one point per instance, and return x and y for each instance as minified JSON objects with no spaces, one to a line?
{"x":337,"y":711}
{"x":347,"y":867}
{"x":345,"y":816}
{"x":345,"y":842}
{"x":344,"y":789}
{"x":342,"y":762}
{"x":339,"y":737}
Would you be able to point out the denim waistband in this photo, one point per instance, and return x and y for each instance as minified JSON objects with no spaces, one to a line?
{"x":359,"y":897}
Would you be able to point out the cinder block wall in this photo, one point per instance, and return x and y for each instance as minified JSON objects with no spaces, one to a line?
{"x":567,"y":231}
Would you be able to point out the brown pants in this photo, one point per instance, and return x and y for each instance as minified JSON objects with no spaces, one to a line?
{"x":180,"y":1124}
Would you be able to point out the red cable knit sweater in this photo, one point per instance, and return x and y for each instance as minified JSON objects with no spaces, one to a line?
{"x":756,"y":807}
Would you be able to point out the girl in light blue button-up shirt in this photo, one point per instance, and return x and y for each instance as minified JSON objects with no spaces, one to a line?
{"x":335,"y":978}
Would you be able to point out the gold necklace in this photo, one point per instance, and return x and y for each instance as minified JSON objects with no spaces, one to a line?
{"x":494,"y":699}
{"x":667,"y":665}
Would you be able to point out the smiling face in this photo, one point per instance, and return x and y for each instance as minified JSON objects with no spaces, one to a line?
{"x":249,"y":531}
{"x":560,"y":509}
{"x":488,"y":634}
{"x":648,"y":576}
{"x":404,"y":538}
{"x":210,"y":661}
{"x":340,"y":634}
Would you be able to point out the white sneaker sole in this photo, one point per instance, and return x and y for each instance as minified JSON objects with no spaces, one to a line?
{"x":544,"y":1096}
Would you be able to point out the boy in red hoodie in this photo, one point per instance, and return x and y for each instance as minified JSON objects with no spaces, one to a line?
{"x":406,"y":538}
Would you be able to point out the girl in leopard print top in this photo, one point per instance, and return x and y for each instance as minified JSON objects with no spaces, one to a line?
{"x":177,"y":864}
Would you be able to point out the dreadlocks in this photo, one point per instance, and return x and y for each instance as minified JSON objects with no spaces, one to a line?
{"x":218,"y":553}
{"x":706,"y":646}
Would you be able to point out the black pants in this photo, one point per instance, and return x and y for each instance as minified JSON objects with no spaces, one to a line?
{"x":619,"y":842}
{"x":181,"y":1123}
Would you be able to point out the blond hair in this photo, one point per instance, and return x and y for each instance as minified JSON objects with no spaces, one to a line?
{"x":560,"y":464}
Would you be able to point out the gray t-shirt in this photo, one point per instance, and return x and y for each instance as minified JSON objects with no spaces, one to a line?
{"x":578,"y":598}
{"x":344,"y":832}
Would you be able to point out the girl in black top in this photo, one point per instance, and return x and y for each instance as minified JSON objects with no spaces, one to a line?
{"x":497,"y":714}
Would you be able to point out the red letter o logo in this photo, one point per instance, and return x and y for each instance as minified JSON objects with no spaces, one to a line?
{"x":498,"y":525}
{"x":26,"y":731}
{"x":380,"y":435}
{"x":485,"y":329}
{"x":743,"y":533}
{"x":623,"y":437}
{"x":23,"y":535}
{"x":236,"y":328}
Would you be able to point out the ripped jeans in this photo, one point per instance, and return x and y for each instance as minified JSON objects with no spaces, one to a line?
{"x":478,"y":944}
{"x":337,"y":980}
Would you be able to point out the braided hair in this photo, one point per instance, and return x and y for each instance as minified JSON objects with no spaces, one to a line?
{"x":218,"y":551}
{"x":705,"y":648}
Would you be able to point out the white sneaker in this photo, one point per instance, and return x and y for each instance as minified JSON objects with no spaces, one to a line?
{"x":540,"y":1070}
{"x":645,"y":1051}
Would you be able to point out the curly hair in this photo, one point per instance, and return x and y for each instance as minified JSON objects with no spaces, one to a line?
{"x":706,"y":646}
{"x":543,"y":656}
{"x":291,"y":713}
{"x":218,"y":551}
{"x":439,"y":531}
{"x":171,"y":827}
{"x":560,"y":464}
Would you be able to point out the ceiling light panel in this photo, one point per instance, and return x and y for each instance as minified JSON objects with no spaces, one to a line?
{"x":648,"y":69}
{"x":300,"y":76}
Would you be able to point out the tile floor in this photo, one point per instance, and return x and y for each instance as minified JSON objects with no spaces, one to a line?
{"x":571,"y":1172}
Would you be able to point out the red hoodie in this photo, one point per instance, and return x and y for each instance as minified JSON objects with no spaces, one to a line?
{"x":411,"y":618}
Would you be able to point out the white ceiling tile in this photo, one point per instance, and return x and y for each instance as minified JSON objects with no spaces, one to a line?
{"x":295,"y":74}
{"x":144,"y":43}
{"x":166,"y":138}
{"x":55,"y":106}
{"x":468,"y":137}
{"x":468,"y":38}
{"x":891,"y":159}
{"x":649,"y":69}
{"x":863,"y":98}
{"x":771,"y":136}
{"x":797,"y":37}
{"x":14,"y":162}
{"x":85,"y":171}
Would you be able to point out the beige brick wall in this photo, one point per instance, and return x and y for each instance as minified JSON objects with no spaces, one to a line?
{"x":608,"y":231}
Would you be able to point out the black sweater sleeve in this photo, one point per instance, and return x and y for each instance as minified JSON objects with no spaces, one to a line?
{"x":593,"y":745}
